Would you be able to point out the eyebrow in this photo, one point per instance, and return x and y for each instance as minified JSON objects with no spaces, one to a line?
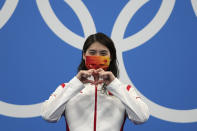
{"x":99,"y":51}
{"x":92,"y":50}
{"x":103,"y":51}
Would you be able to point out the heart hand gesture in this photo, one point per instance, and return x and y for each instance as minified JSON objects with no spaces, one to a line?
{"x":107,"y":76}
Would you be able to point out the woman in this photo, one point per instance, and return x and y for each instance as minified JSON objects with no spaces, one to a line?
{"x":95,"y":99}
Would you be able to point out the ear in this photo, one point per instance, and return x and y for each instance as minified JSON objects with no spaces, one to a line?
{"x":84,"y":57}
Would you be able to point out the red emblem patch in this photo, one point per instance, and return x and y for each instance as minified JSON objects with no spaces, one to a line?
{"x":63,"y":85}
{"x":128,"y":87}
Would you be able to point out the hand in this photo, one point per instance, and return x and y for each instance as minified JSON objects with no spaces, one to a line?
{"x":107,"y":76}
{"x":84,"y":74}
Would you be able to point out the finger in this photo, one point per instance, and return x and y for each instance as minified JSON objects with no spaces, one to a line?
{"x":103,"y":74}
{"x":88,"y":81}
{"x":99,"y":70}
{"x":86,"y":73}
{"x":105,"y":77}
{"x":91,"y":70}
{"x":95,"y":73}
{"x":83,"y":75}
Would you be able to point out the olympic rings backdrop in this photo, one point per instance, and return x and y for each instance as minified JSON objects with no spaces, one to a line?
{"x":40,"y":48}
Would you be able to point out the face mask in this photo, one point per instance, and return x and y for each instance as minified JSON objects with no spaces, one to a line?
{"x":96,"y":62}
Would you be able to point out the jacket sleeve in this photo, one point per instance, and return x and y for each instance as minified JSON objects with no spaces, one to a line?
{"x":53,"y":108}
{"x":137,"y":111}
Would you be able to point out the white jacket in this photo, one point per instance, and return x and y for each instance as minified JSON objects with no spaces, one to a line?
{"x":88,"y":107}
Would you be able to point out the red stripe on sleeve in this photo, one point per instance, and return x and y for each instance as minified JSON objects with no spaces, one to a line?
{"x":110,"y":93}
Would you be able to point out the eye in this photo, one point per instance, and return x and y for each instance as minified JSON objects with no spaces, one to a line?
{"x":92,"y":52}
{"x":103,"y":53}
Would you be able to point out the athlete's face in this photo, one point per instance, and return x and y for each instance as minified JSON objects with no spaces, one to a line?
{"x":97,"y":49}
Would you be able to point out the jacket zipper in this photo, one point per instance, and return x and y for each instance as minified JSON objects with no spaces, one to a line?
{"x":95,"y":108}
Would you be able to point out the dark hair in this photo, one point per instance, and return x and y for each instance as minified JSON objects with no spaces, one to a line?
{"x":106,"y":41}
